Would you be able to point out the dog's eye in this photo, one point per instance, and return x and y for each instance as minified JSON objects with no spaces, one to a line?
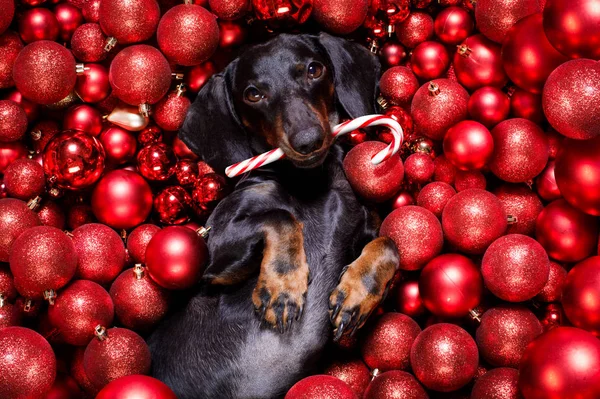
{"x":315,"y":70}
{"x":253,"y":95}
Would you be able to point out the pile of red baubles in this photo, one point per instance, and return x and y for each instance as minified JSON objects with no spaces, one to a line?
{"x":492,"y":202}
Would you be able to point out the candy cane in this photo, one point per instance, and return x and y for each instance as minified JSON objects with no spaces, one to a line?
{"x":341,"y":129}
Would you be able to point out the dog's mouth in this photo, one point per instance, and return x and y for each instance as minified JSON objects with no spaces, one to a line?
{"x":306,"y":161}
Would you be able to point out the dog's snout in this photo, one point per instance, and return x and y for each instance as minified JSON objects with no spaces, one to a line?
{"x":307,"y":140}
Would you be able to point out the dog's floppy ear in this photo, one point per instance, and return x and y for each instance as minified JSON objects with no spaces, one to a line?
{"x":212,"y":129}
{"x":356,"y":73}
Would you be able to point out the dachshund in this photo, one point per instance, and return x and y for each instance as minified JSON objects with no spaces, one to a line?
{"x":292,"y":250}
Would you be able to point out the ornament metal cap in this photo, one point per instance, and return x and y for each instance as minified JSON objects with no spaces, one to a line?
{"x":111,"y":42}
{"x":433,"y":88}
{"x":463,"y":50}
{"x":50,"y":296}
{"x":139,"y":271}
{"x":100,"y":332}
{"x":203,"y":231}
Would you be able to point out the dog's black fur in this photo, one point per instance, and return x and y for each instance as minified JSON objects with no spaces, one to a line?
{"x":217,"y":347}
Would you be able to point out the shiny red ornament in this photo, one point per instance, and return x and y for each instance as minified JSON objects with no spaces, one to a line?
{"x":566,"y":233}
{"x":186,"y":172}
{"x":156,"y":162}
{"x":69,"y":19}
{"x":498,"y":383}
{"x":562,"y":363}
{"x":392,"y":54}
{"x":403,"y":117}
{"x":44,"y":72}
{"x":13,"y":121}
{"x":232,"y":34}
{"x":417,"y":234}
{"x":340,"y":16}
{"x":522,"y":204}
{"x":27,"y":363}
{"x":64,"y":387}
{"x":524,"y":104}
{"x":403,"y":198}
{"x":444,"y":357}
{"x":581,"y":295}
{"x":320,"y":387}
{"x":399,"y":85}
{"x":8,"y":8}
{"x":489,"y":106}
{"x":444,"y":170}
{"x":198,"y":75}
{"x":495,"y":17}
{"x":24,"y":179}
{"x":172,"y":205}
{"x":437,"y":106}
{"x":138,"y":240}
{"x":119,"y":144}
{"x":408,"y":299}
{"x":92,"y":85}
{"x":418,"y":168}
{"x":170,"y":112}
{"x":553,"y":289}
{"x":78,"y":215}
{"x":31,"y":109}
{"x":429,"y":60}
{"x":84,"y":118}
{"x":282,"y":12}
{"x":468,"y":145}
{"x":87,"y":43}
{"x":353,"y":372}
{"x":434,"y":197}
{"x":140,"y":74}
{"x":150,"y":135}
{"x":230,"y":9}
{"x":15,"y":218}
{"x":51,"y":214}
{"x":10,"y":152}
{"x":450,"y":286}
{"x":175,"y":257}
{"x":136,"y":386}
{"x":129,"y":21}
{"x":100,"y":253}
{"x":122,"y":199}
{"x":10,"y":46}
{"x":38,"y":24}
{"x":478,"y":63}
{"x":453,"y":25}
{"x":393,"y":385}
{"x":415,"y":29}
{"x":119,"y":353}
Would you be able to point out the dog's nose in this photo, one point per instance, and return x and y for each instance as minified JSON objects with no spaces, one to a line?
{"x":307,"y":140}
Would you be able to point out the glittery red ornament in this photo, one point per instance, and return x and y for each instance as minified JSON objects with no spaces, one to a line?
{"x":24,"y":179}
{"x":429,"y":60}
{"x":581,"y":295}
{"x":31,"y":109}
{"x":51,"y":214}
{"x":444,"y":357}
{"x":27,"y":363}
{"x":320,"y":387}
{"x":496,"y":17}
{"x":437,"y":106}
{"x":92,"y":85}
{"x":156,"y":162}
{"x":44,"y":72}
{"x":478,"y":63}
{"x":122,"y":352}
{"x":69,"y":19}
{"x":91,"y":10}
{"x":562,"y":363}
{"x":468,"y":145}
{"x":489,"y":106}
{"x":567,"y":234}
{"x":170,"y":112}
{"x":499,"y":383}
{"x":198,"y":75}
{"x":340,"y":16}
{"x":78,"y":373}
{"x":398,"y":85}
{"x":415,"y":29}
{"x":10,"y":315}
{"x":87,"y":43}
{"x":138,"y":241}
{"x":129,"y":21}
{"x":119,"y":144}
{"x":418,"y":168}
{"x":140,"y":74}
{"x":175,"y":257}
{"x":38,"y":24}
{"x":444,"y":170}
{"x":417,"y":234}
{"x":172,"y":205}
{"x":7,"y":286}
{"x":522,"y":204}
{"x":453,"y":25}
{"x":393,"y":385}
{"x":10,"y":46}
{"x":13,"y":121}
{"x":466,"y":179}
{"x":434,"y":197}
{"x":122,"y":199}
{"x":100,"y":253}
{"x":84,"y":118}
{"x":15,"y":218}
{"x":353,"y":372}
{"x":136,"y":386}
{"x":8,"y":8}
{"x":524,"y":104}
{"x":78,"y":215}
{"x":553,"y":289}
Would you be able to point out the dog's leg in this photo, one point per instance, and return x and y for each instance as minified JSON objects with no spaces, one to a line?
{"x":363,"y":286}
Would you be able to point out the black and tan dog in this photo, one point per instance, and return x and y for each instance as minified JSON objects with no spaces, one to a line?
{"x":280,"y":242}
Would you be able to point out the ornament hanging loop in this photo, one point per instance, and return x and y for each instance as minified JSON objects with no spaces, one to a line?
{"x":50,"y":296}
{"x":100,"y":332}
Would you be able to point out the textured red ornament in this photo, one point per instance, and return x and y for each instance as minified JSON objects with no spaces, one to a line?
{"x":353,"y":372}
{"x":415,"y":29}
{"x":188,"y":34}
{"x":373,"y":182}
{"x":87,"y":43}
{"x":10,"y":315}
{"x":15,"y":218}
{"x":496,"y":17}
{"x":69,"y":19}
{"x":78,"y":309}
{"x":38,"y":24}
{"x":417,"y":234}
{"x":44,"y":72}
{"x":444,"y":357}
{"x":450,"y":286}
{"x":27,"y":362}
{"x":122,"y":199}
{"x":31,"y":109}
{"x":78,"y":373}
{"x":91,"y":10}
{"x":140,"y":74}
{"x":156,"y":162}
{"x":399,"y":85}
{"x":393,"y":385}
{"x":51,"y":214}
{"x":92,"y":85}
{"x":64,"y":387}
{"x":10,"y":46}
{"x":129,"y":21}
{"x":136,"y":386}
{"x":24,"y":179}
{"x":119,"y":144}
{"x":562,"y":363}
{"x":84,"y":118}
{"x":453,"y":25}
{"x":499,"y":383}
{"x":138,"y":240}
{"x":122,"y":352}
{"x":429,"y":60}
{"x":437,"y":106}
{"x":434,"y":197}
{"x":42,"y":132}
{"x":401,"y":199}
{"x":468,"y":145}
{"x":581,"y":295}
{"x":489,"y":106}
{"x":478,"y":63}
{"x":520,"y":203}
{"x":172,"y":205}
{"x":198,"y":75}
{"x":169,"y":113}
{"x":392,"y":54}
{"x":7,"y":286}
{"x":8,"y":8}
{"x":444,"y":170}
{"x":13,"y":121}
{"x":340,"y":16}
{"x":320,"y":387}
{"x":467,"y":179}
{"x":230,"y":9}
{"x":175,"y":257}
{"x":100,"y":253}
{"x":524,"y":104}
{"x":567,"y":234}
{"x":79,"y":215}
{"x":419,"y":168}
{"x":553,"y":289}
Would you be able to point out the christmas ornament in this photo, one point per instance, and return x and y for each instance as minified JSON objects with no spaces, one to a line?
{"x":38,"y":24}
{"x":78,"y":373}
{"x":92,"y":85}
{"x":156,"y":162}
{"x":138,"y":240}
{"x":418,"y":168}
{"x":453,"y":25}
{"x":408,"y":299}
{"x":499,"y":383}
{"x":522,"y":204}
{"x":434,"y":197}
{"x":136,"y":386}
{"x":27,"y":363}
{"x":122,"y":199}
{"x":478,"y":63}
{"x":403,"y":117}
{"x":87,"y":43}
{"x":398,"y":85}
{"x":7,"y":287}
{"x":320,"y":387}
{"x":175,"y":257}
{"x":489,"y":106}
{"x":42,"y":132}
{"x":232,"y":34}
{"x":282,"y":12}
{"x":119,"y":144}
{"x":150,"y":135}
{"x":15,"y":218}
{"x":198,"y":75}
{"x":31,"y":109}
{"x":450,"y":286}
{"x":555,"y":142}
{"x":128,"y":117}
{"x":524,"y":104}
{"x":437,"y":106}
{"x":10,"y":46}
{"x":129,"y":21}
{"x":10,"y":315}
{"x":24,"y":179}
{"x":468,"y":145}
{"x":10,"y":152}
{"x":581,"y":295}
{"x":395,"y":384}
{"x":392,"y":54}
{"x":340,"y":16}
{"x":567,"y":234}
{"x":13,"y":121}
{"x":186,"y":172}
{"x":444,"y":170}
{"x":496,"y":17}
{"x":44,"y":72}
{"x":353,"y":372}
{"x":51,"y":214}
{"x":429,"y":60}
{"x":417,"y":234}
{"x":170,"y":112}
{"x":402,"y":198}
{"x":69,"y":19}
{"x":444,"y":357}
{"x":229,"y":9}
{"x":79,"y":215}
{"x":570,"y":354}
{"x":172,"y":204}
{"x":467,"y":179}
{"x":555,"y":284}
{"x":91,"y":10}
{"x":8,"y":7}
{"x":415,"y":29}
{"x":64,"y":387}
{"x":83,"y":118}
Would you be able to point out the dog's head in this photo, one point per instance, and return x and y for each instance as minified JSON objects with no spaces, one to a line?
{"x":285,"y":93}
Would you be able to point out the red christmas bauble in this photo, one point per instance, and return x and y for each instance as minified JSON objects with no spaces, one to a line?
{"x":408,"y":299}
{"x":522,"y":204}
{"x":78,"y":373}
{"x":340,"y":16}
{"x":170,"y":112}
{"x":51,"y":214}
{"x":38,"y":24}
{"x":100,"y":253}
{"x":419,"y":168}
{"x":122,"y":199}
{"x":8,"y":8}
{"x":150,"y":135}
{"x":129,"y":21}
{"x":499,"y":383}
{"x":7,"y":286}
{"x":415,"y":29}
{"x":230,"y":9}
{"x":119,"y":144}
{"x":172,"y":205}
{"x":73,"y":160}
{"x":13,"y":121}
{"x":186,"y":172}
{"x":78,"y":215}
{"x":138,"y":241}
{"x":15,"y":218}
{"x":444,"y":170}
{"x":27,"y":363}
{"x":567,"y":234}
{"x":478,"y":63}
{"x":562,"y":363}
{"x":78,"y":309}
{"x":437,"y":106}
{"x":10,"y":315}
{"x":69,"y":19}
{"x":489,"y":106}
{"x":188,"y":34}
{"x":136,"y":386}
{"x":87,"y":43}
{"x":140,"y":74}
{"x":44,"y":72}
{"x":453,"y":25}
{"x":91,"y":10}
{"x":31,"y":109}
{"x":444,"y":357}
{"x":208,"y":191}
{"x":84,"y":118}
{"x":42,"y":132}
{"x":320,"y":387}
{"x":64,"y":387}
{"x":93,"y":86}
{"x":175,"y":257}
{"x":398,"y":85}
{"x":468,"y":145}
{"x":524,"y":104}
{"x":417,"y":234}
{"x":450,"y":286}
{"x":581,"y":295}
{"x":496,"y":17}
{"x":466,"y":179}
{"x":156,"y":162}
{"x":429,"y":60}
{"x":392,"y":54}
{"x":434,"y":197}
{"x":553,"y":289}
{"x":353,"y":372}
{"x":395,"y":384}
{"x":24,"y":179}
{"x":282,"y":12}
{"x":232,"y":34}
{"x":122,"y":352}
{"x":198,"y":75}
{"x":10,"y":47}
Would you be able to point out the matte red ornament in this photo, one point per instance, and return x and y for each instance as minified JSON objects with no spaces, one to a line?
{"x":553,"y":289}
{"x":450,"y":286}
{"x":13,"y":121}
{"x":69,"y":19}
{"x":453,"y":25}
{"x":437,"y":106}
{"x":84,"y":118}
{"x":415,"y":29}
{"x":524,"y":104}
{"x":175,"y":257}
{"x":522,"y":204}
{"x":468,"y":145}
{"x":478,"y":63}
{"x":434,"y":197}
{"x":499,"y":383}
{"x":136,"y":386}
{"x":489,"y":106}
{"x":393,"y":385}
{"x":340,"y":16}
{"x":562,"y":363}
{"x":581,"y":295}
{"x":92,"y":85}
{"x":24,"y":179}
{"x":418,"y":168}
{"x":392,"y":54}
{"x":444,"y":170}
{"x":100,"y":253}
{"x":230,"y":9}
{"x":320,"y":387}
{"x":38,"y":24}
{"x":444,"y":357}
{"x":51,"y":214}
{"x":172,"y":205}
{"x":417,"y":234}
{"x":138,"y":240}
{"x":353,"y":372}
{"x":170,"y":112}
{"x":122,"y":199}
{"x":429,"y":60}
{"x":15,"y":218}
{"x":156,"y":162}
{"x":119,"y":144}
{"x":87,"y":43}
{"x":10,"y":47}
{"x":495,"y":17}
{"x":566,"y":233}
{"x":27,"y":363}
{"x":8,"y":6}
{"x":129,"y":21}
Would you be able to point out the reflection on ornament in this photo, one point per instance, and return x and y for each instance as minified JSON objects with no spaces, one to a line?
{"x":128,"y":117}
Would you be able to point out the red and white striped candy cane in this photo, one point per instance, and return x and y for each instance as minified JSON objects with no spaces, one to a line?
{"x":341,"y":129}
